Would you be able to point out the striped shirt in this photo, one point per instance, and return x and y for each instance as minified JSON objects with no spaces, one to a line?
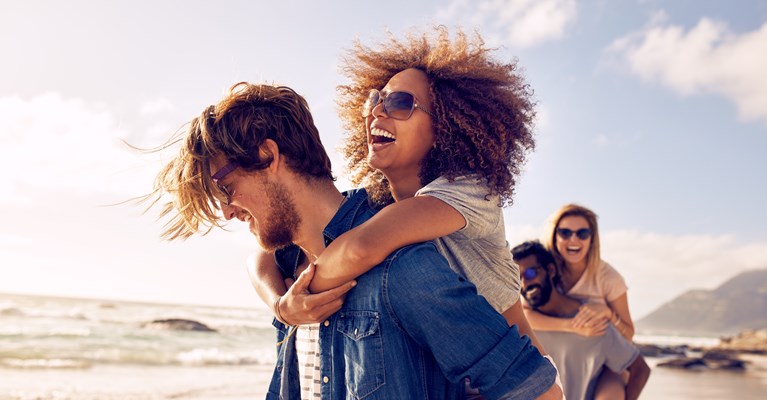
{"x":308,"y":353}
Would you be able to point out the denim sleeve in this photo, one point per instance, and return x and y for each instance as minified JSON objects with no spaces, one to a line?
{"x":442,"y":312}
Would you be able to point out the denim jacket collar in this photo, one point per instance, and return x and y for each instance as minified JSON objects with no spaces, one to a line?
{"x":346,"y":215}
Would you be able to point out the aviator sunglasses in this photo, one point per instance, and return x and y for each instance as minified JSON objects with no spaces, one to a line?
{"x":221,"y":174}
{"x":582,"y":234}
{"x":397,"y":105}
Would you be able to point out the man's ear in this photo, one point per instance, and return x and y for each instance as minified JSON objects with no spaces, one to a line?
{"x":270,"y":149}
{"x":552,"y":270}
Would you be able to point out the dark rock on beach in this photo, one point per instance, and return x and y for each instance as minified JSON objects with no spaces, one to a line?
{"x":178,"y":324}
{"x":651,"y":350}
{"x":724,"y":356}
{"x":684,"y":362}
{"x":709,"y":360}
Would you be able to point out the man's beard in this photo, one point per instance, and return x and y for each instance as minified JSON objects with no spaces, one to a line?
{"x":280,"y":229}
{"x":538,"y":295}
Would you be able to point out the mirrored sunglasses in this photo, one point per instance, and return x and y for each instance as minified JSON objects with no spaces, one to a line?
{"x":397,"y":105}
{"x":532,"y":272}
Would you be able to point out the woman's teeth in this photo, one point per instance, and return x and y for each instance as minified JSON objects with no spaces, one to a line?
{"x":379,"y":135}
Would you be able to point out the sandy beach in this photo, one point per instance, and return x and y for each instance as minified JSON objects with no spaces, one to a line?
{"x":250,"y":382}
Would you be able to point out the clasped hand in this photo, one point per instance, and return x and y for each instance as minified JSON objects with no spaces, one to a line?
{"x":592,"y":319}
{"x":298,"y":306}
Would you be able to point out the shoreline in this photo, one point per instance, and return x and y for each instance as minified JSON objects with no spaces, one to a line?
{"x":133,"y":382}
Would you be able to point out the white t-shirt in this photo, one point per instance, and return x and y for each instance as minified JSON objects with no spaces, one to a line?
{"x":580,"y":359}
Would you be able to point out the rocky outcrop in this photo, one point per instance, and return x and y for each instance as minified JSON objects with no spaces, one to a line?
{"x":753,"y":341}
{"x":178,"y":324}
{"x":725,"y":356}
{"x":651,"y":350}
{"x":712,"y":359}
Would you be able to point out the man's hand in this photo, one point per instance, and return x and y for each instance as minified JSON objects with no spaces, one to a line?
{"x":299,"y":307}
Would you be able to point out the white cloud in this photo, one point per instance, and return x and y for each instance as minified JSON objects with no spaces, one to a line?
{"x":521,"y":23}
{"x":57,"y":144}
{"x":708,"y":58}
{"x":156,"y":106}
{"x":659,"y":267}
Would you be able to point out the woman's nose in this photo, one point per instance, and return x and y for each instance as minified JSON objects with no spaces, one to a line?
{"x":378,"y":111}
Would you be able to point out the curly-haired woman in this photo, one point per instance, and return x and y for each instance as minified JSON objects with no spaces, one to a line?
{"x":438,"y":130}
{"x":439,"y":127}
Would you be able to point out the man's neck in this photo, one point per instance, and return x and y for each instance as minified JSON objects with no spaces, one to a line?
{"x":560,"y":305}
{"x":317,"y":201}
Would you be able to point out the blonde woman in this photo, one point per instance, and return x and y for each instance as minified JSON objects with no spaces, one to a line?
{"x":572,"y":237}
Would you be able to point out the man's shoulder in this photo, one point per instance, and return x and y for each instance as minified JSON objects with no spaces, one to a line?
{"x":420,"y":253}
{"x":416,"y":266}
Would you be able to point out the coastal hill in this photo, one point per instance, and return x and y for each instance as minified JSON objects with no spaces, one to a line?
{"x":738,"y":304}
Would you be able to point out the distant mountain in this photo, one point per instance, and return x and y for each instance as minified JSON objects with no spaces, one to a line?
{"x":740,"y":303}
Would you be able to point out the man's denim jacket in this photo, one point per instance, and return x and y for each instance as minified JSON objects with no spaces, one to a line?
{"x":411,"y":329}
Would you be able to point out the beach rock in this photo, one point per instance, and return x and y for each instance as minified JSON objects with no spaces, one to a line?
{"x":752,"y":341}
{"x":178,"y":324}
{"x":710,"y":359}
{"x":652,"y":350}
{"x":684,"y":362}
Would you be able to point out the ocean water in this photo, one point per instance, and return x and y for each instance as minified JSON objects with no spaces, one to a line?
{"x":81,"y":349}
{"x":97,"y":349}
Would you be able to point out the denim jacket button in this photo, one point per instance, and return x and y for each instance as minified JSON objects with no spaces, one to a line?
{"x":326,"y":323}
{"x":325,"y":379}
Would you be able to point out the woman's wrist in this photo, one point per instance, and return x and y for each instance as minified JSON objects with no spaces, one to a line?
{"x":276,"y":311}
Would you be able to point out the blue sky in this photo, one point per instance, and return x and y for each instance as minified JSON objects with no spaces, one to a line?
{"x":652,"y":113}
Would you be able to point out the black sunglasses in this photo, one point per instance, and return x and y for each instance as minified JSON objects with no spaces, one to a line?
{"x":583,"y":233}
{"x":397,"y":105}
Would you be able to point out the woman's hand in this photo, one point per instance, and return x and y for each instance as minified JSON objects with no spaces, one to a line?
{"x":592,"y":319}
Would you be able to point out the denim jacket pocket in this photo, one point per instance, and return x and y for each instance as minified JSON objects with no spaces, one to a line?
{"x":363,"y":352}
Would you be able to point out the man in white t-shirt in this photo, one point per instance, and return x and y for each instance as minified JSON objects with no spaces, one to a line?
{"x":580,"y":359}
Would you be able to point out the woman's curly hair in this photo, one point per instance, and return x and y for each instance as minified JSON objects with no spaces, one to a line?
{"x":484,"y":109}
